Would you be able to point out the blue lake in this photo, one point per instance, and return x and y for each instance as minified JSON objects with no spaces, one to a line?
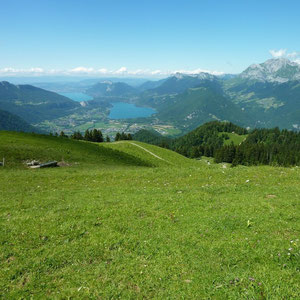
{"x":77,"y":96}
{"x":122,"y":110}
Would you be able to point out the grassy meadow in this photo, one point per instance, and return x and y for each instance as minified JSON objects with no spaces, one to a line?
{"x":116,"y":222}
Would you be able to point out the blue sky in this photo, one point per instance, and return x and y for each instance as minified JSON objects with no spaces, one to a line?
{"x":139,"y":38}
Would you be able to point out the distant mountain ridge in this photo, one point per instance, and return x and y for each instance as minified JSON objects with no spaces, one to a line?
{"x":111,"y":89}
{"x":33,"y":104}
{"x":179,"y":83}
{"x":264,"y":95}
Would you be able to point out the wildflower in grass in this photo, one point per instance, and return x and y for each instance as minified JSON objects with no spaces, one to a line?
{"x":249,"y":223}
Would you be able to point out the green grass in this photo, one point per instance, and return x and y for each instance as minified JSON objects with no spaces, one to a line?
{"x":17,"y":148}
{"x":114,"y":229}
{"x":234,"y":138}
{"x":167,"y":157}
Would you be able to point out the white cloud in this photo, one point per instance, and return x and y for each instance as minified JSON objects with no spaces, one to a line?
{"x":13,"y":71}
{"x":156,"y":72}
{"x":137,"y":72}
{"x":122,"y":70}
{"x":82,"y":70}
{"x":279,"y":53}
{"x":102,"y":71}
{"x":293,"y":56}
{"x":36,"y":70}
{"x":90,"y":71}
{"x":197,"y":71}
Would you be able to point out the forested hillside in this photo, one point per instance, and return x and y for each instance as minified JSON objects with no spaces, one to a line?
{"x":34,"y":104}
{"x":227,"y":142}
{"x":263,"y":147}
{"x":12,"y":122}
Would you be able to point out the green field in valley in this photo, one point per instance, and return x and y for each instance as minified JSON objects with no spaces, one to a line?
{"x":129,"y":220}
{"x":234,"y":138}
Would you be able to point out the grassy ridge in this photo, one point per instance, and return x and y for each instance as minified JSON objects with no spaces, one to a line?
{"x":141,"y":150}
{"x":126,"y":231}
{"x":19,"y":147}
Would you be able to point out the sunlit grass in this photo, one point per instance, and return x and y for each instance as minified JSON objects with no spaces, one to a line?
{"x":112,"y":228}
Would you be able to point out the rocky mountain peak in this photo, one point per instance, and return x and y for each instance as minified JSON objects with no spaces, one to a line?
{"x":273,"y":70}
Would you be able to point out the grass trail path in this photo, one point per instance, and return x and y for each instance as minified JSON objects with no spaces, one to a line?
{"x":153,"y":154}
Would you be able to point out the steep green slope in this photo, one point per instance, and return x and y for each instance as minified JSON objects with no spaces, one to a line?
{"x":19,"y":147}
{"x":199,"y":105}
{"x":267,"y":104}
{"x":34,"y":104}
{"x":12,"y":122}
{"x":209,"y":134}
{"x":154,"y":155}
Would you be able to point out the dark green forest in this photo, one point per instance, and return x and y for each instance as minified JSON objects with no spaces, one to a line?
{"x":260,"y":147}
{"x":12,"y":122}
{"x":263,"y":147}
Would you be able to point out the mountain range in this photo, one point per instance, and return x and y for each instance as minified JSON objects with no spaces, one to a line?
{"x":33,"y":104}
{"x":273,"y":70}
{"x":264,"y":95}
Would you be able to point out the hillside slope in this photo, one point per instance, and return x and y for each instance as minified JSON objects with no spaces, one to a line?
{"x":154,"y":155}
{"x":34,"y":104}
{"x":199,"y":105}
{"x":12,"y":122}
{"x":20,"y":147}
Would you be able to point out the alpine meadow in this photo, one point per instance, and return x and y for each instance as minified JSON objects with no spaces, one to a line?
{"x":150,"y":150}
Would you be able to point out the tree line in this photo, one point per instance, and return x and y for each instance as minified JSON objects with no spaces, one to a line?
{"x":263,"y":147}
{"x":260,"y":147}
{"x":93,"y":135}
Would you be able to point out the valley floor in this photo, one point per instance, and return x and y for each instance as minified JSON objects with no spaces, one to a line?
{"x":185,"y":229}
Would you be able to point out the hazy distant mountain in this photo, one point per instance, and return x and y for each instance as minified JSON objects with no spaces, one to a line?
{"x":264,"y":95}
{"x":199,"y":105}
{"x":162,"y":96}
{"x":273,"y":70}
{"x":179,"y":83}
{"x":227,"y":76}
{"x":269,"y":93}
{"x":111,"y":89}
{"x":151,"y":84}
{"x":12,"y":122}
{"x":33,"y":104}
{"x":78,"y":86}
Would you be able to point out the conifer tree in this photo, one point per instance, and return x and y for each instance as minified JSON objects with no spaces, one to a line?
{"x":118,"y":137}
{"x":62,"y":134}
{"x":87,"y":135}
